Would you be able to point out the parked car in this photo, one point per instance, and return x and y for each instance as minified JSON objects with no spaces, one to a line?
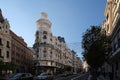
{"x":66,"y":73}
{"x":44,"y":76}
{"x":21,"y":76}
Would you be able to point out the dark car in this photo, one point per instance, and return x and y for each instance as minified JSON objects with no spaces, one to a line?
{"x":21,"y":76}
{"x":44,"y":76}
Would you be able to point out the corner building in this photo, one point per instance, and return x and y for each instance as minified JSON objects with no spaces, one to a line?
{"x":52,"y":54}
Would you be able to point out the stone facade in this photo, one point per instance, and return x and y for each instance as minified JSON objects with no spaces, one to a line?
{"x":112,"y":26}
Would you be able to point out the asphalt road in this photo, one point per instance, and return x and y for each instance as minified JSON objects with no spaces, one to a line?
{"x":73,"y":77}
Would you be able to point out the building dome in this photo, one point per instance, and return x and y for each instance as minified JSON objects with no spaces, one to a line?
{"x":44,"y":20}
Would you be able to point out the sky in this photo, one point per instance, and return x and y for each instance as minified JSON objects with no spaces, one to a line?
{"x":70,"y":18}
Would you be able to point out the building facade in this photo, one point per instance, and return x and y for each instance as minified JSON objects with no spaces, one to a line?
{"x":21,"y":55}
{"x":52,"y":54}
{"x":5,"y":39}
{"x":13,"y":48}
{"x":112,"y":27}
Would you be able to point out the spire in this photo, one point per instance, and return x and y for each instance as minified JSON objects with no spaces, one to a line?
{"x":1,"y":17}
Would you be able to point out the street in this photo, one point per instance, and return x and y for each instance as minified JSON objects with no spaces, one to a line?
{"x":74,"y":77}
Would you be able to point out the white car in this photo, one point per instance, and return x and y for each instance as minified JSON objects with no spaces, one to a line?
{"x":44,"y":76}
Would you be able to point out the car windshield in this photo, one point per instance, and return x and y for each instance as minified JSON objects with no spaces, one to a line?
{"x":15,"y":75}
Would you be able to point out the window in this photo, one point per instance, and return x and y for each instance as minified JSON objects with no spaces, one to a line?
{"x":37,"y":33}
{"x":7,"y":54}
{"x":44,"y":51}
{"x":51,"y":39}
{"x":44,"y":37}
{"x":51,"y":54}
{"x":8,"y":46}
{"x":0,"y":52}
{"x":107,"y":17}
{"x":44,"y":55}
{"x":0,"y":41}
{"x":6,"y":26}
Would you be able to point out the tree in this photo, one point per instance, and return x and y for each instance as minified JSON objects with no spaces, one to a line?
{"x":4,"y":66}
{"x":96,"y":46}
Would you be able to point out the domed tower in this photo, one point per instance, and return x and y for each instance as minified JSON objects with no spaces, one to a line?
{"x":43,"y":38}
{"x":43,"y":32}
